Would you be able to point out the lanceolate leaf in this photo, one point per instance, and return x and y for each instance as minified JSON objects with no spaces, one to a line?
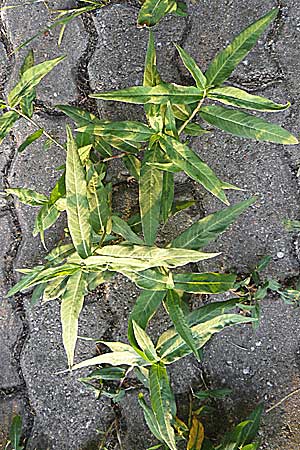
{"x":145,"y":307}
{"x":144,"y":342}
{"x":149,"y":417}
{"x":30,"y":139}
{"x":173,"y":306}
{"x":26,"y":103}
{"x":15,"y":433}
{"x":151,"y":75}
{"x":116,"y":358}
{"x":226,"y":61}
{"x":71,"y":306}
{"x":119,"y":226}
{"x":77,"y":203}
{"x":192,"y":67}
{"x":175,"y":348}
{"x":7,"y":121}
{"x":245,"y":125}
{"x":196,"y":435}
{"x":161,"y":403}
{"x":79,"y":116}
{"x":167,"y":195}
{"x":153,"y":10}
{"x":237,"y":97}
{"x":150,"y":193}
{"x":193,"y":166}
{"x":130,"y":131}
{"x":158,"y":95}
{"x":28,"y":196}
{"x":31,"y":78}
{"x":204,"y":283}
{"x":210,"y":227}
{"x":138,"y":257}
{"x":46,"y":217}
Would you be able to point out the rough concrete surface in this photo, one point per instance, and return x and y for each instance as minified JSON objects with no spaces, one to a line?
{"x":106,"y":51}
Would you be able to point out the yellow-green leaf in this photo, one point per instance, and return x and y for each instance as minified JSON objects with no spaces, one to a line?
{"x":77,"y":203}
{"x":196,"y":435}
{"x":71,"y":306}
{"x":245,"y":125}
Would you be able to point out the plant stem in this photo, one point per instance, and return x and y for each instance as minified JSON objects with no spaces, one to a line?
{"x":35,"y":124}
{"x":196,"y":110}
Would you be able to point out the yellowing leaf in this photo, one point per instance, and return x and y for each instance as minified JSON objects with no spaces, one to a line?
{"x":196,"y":436}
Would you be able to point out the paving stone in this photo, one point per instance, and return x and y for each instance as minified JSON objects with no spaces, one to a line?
{"x":287,"y":44}
{"x":10,"y":323}
{"x":118,"y":60}
{"x":67,"y":414}
{"x":265,"y":170}
{"x":60,"y":85}
{"x":214,"y":24}
{"x":11,"y":406}
{"x":35,"y":169}
{"x":259,"y":365}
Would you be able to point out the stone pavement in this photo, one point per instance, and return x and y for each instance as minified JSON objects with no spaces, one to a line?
{"x":106,"y":51}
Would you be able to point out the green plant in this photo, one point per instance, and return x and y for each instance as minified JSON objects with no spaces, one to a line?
{"x":100,"y":243}
{"x":15,"y":434}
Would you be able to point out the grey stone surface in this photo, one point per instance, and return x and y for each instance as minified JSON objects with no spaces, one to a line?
{"x":67,"y":414}
{"x":10,"y":323}
{"x":259,"y":365}
{"x":118,"y":60}
{"x":35,"y":169}
{"x":60,"y":85}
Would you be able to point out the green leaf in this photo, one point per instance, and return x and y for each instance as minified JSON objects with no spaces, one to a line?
{"x":151,"y":75}
{"x":244,"y":125}
{"x":129,"y":131}
{"x":210,"y":227}
{"x":174,"y":347}
{"x":99,"y":203}
{"x":77,"y":203}
{"x":204,"y":283}
{"x":237,"y":97}
{"x":79,"y":116}
{"x":162,"y":403}
{"x":192,"y":67}
{"x":133,"y":165}
{"x":15,"y":433}
{"x":119,"y":226}
{"x":226,"y":61}
{"x":193,"y":166}
{"x":71,"y":306}
{"x":144,"y":342}
{"x":31,"y":78}
{"x":173,"y":307}
{"x":46,"y":217}
{"x":150,"y":194}
{"x":193,"y":129}
{"x":152,"y":11}
{"x":158,"y":95}
{"x":28,"y":196}
{"x":59,"y":190}
{"x":30,"y":139}
{"x":250,"y":431}
{"x":7,"y":121}
{"x":212,"y":393}
{"x":144,"y":309}
{"x":54,"y":289}
{"x":26,"y":103}
{"x":150,"y":418}
{"x":167,"y":196}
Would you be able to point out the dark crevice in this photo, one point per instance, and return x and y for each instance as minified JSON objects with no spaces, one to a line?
{"x":18,"y":300}
{"x":82,"y":76}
